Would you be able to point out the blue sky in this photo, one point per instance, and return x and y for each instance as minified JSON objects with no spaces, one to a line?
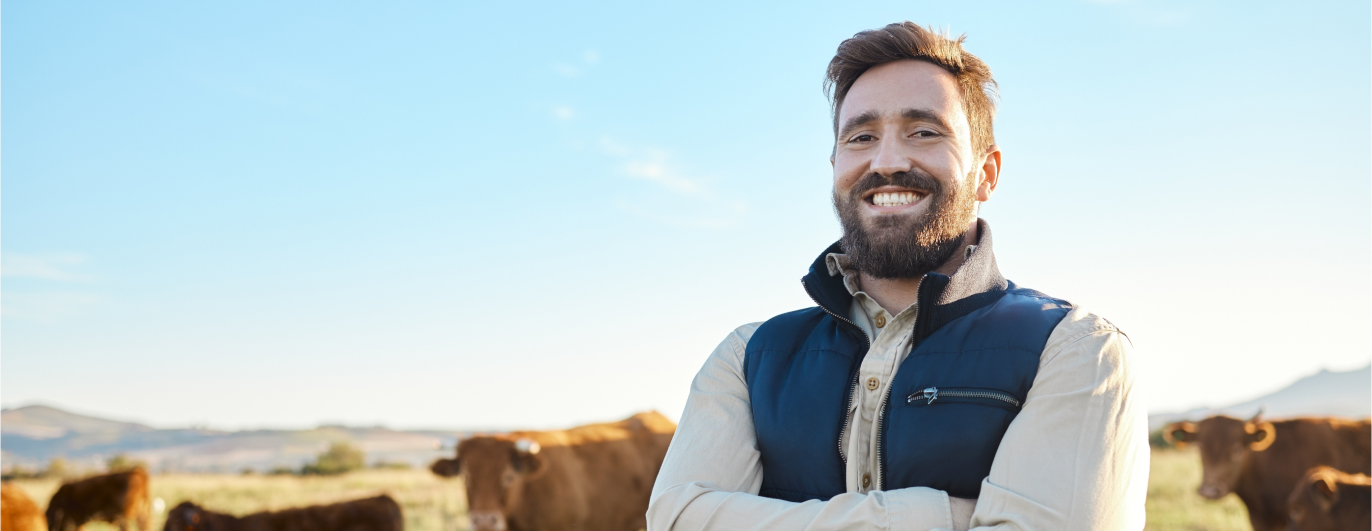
{"x":422,"y":214}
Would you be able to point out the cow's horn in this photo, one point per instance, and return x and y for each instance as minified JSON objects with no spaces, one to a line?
{"x":527,"y":446}
{"x":1261,"y":409}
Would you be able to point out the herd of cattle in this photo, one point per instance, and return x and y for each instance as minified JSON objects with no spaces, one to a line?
{"x":1306,"y":473}
{"x":1300,"y":474}
{"x":589,"y":478}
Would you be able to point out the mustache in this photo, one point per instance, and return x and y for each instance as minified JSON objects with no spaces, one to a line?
{"x":916,"y":179}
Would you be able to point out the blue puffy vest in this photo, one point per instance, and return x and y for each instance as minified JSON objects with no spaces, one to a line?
{"x":977,"y":342}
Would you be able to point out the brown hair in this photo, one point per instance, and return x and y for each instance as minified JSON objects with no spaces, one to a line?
{"x":906,"y":40}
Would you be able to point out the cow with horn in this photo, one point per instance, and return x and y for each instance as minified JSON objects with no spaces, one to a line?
{"x":597,"y":476}
{"x":1262,"y":461}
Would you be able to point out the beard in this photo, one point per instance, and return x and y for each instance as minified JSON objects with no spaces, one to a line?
{"x":904,"y":246}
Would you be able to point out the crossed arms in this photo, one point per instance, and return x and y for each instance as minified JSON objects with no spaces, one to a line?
{"x":1076,"y":457}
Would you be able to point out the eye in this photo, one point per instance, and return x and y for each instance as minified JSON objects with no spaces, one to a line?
{"x":862,"y":138}
{"x":925,"y":133}
{"x":507,"y":478}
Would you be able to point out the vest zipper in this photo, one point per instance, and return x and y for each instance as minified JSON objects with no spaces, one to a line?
{"x":881,"y":430}
{"x":930,"y":394}
{"x":853,"y":388}
{"x":881,"y":411}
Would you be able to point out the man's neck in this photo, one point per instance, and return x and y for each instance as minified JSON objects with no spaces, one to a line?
{"x":896,"y":294}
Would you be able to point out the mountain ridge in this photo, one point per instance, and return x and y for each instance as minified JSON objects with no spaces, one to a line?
{"x":1323,"y":394}
{"x":31,"y":436}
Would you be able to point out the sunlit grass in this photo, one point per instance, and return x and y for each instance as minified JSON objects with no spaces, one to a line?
{"x":429,"y":502}
{"x":433,"y":503}
{"x":1173,"y":504}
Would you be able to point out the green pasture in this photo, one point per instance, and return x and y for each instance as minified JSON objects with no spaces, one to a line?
{"x":428,"y":501}
{"x":431,"y":503}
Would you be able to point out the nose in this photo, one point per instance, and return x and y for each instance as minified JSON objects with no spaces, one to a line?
{"x":1211,"y":492}
{"x":487,"y":521}
{"x":891,"y":158}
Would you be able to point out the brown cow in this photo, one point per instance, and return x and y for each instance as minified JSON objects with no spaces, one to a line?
{"x":120,"y":498}
{"x":590,"y":477}
{"x":18,"y":512}
{"x":372,"y":514}
{"x":1262,"y":461}
{"x":1329,"y":500}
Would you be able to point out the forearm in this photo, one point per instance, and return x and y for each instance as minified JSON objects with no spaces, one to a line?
{"x":1077,"y":455}
{"x":695,"y":506}
{"x":712,"y":473}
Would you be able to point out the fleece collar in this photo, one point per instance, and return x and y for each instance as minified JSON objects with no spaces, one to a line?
{"x":942,"y":298}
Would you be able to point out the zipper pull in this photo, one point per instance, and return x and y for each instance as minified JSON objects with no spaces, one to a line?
{"x":930,"y":394}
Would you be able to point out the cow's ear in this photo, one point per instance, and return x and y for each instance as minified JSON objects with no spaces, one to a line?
{"x":1260,"y":435}
{"x":1326,"y":492}
{"x":1179,"y":434}
{"x":192,"y":514}
{"x":526,"y":458}
{"x":446,"y":467}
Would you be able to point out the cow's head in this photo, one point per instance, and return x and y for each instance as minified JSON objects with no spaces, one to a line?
{"x":1314,"y":504}
{"x":1225,"y":446}
{"x":494,"y":470}
{"x":186,"y":516}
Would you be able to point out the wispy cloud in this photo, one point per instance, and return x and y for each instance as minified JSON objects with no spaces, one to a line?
{"x":566,"y":70}
{"x":589,"y":59}
{"x":563,"y":112}
{"x":43,"y":266}
{"x":45,"y":307}
{"x":696,"y":202}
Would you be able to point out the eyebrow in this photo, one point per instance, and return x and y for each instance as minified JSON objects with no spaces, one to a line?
{"x":908,"y":114}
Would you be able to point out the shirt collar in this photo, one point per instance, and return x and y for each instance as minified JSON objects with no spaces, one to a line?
{"x":976,"y":282}
{"x":839,"y":264}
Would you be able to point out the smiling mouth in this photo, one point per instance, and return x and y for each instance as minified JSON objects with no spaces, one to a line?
{"x":891,"y":199}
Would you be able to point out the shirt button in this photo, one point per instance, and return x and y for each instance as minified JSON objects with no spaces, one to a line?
{"x":866,"y":480}
{"x":881,"y":321}
{"x":873,"y":383}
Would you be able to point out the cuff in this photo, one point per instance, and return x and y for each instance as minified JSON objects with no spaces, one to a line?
{"x":919,"y":508}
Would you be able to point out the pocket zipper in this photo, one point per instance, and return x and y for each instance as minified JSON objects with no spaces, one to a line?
{"x":930,"y":394}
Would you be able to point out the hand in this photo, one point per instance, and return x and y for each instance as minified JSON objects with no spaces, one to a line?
{"x":962,"y":509}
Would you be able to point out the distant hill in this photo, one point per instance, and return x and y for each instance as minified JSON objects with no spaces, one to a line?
{"x":1325,"y":393}
{"x":43,"y":422}
{"x":31,"y":436}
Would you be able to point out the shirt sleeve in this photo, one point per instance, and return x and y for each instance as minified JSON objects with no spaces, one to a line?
{"x":712,"y":473}
{"x":1077,"y":455}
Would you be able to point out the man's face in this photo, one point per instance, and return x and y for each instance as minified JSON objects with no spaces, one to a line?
{"x":906,"y":179}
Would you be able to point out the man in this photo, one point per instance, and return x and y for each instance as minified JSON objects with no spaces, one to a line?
{"x":924,"y":391}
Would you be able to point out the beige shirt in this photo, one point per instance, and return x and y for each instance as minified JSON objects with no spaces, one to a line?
{"x":1076,"y":456}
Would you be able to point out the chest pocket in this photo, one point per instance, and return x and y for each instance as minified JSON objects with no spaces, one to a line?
{"x":964,"y":395}
{"x":945,"y":421}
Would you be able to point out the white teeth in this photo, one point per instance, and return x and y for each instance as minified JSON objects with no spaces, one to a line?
{"x":894,"y":198}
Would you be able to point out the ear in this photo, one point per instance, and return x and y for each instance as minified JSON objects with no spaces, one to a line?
{"x":446,"y":467}
{"x":1179,"y":434}
{"x":1326,"y":492}
{"x":526,"y":459}
{"x":989,"y":176}
{"x":1260,"y":435}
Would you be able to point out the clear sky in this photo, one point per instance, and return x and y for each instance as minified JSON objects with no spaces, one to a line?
{"x":509,"y":214}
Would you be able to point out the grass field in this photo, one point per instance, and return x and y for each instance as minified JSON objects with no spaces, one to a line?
{"x":1173,"y":504}
{"x":431,"y":503}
